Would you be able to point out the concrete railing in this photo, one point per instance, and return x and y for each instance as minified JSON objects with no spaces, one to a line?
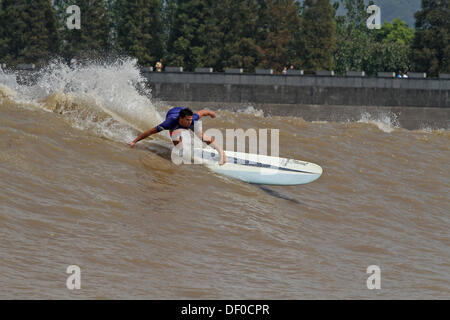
{"x":417,"y":75}
{"x":204,"y":70}
{"x":264,"y":71}
{"x":236,"y":77}
{"x":173,"y":69}
{"x":386,"y":74}
{"x":231,"y":70}
{"x":147,"y":69}
{"x":293,"y":72}
{"x":356,"y":74}
{"x":325,"y":73}
{"x":321,"y":73}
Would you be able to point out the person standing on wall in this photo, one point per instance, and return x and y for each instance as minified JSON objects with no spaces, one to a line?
{"x":159,"y":65}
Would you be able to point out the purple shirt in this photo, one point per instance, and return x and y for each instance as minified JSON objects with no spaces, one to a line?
{"x":171,"y":122}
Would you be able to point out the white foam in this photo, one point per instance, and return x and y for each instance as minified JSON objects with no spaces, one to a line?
{"x":386,"y":122}
{"x":252,"y":111}
{"x":109,"y":99}
{"x":429,"y":130}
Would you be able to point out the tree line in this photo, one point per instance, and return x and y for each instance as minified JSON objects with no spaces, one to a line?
{"x":223,"y":34}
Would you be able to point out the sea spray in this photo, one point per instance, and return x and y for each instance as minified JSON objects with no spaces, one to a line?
{"x":109,"y":99}
{"x":386,"y":122}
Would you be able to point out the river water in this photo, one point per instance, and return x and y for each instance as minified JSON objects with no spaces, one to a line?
{"x":138,"y":226}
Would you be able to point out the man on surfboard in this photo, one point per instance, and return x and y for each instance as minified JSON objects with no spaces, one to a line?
{"x":182,"y":118}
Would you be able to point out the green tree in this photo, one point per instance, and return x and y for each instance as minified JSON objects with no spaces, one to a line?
{"x":352,"y":38}
{"x":352,"y":51}
{"x":356,"y":15}
{"x":43,"y":39}
{"x":13,"y":22}
{"x":389,"y":48}
{"x":396,"y":32}
{"x":139,"y":29}
{"x":187,"y":43}
{"x":296,"y":48}
{"x":29,"y":32}
{"x":283,"y":23}
{"x":318,"y":34}
{"x":243,"y":28}
{"x":372,"y":51}
{"x":2,"y":32}
{"x":431,"y":45}
{"x":113,"y":23}
{"x":391,"y":9}
{"x":386,"y":56}
{"x":168,"y":17}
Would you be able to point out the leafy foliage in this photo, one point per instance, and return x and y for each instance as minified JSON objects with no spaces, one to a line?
{"x":28,"y":31}
{"x":372,"y":51}
{"x":248,"y":34}
{"x":188,"y":37}
{"x":282,"y":24}
{"x":139,"y":29}
{"x":317,"y":35}
{"x":431,"y":46}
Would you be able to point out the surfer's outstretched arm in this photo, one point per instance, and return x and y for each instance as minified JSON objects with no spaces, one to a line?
{"x":203,"y":113}
{"x":143,"y":136}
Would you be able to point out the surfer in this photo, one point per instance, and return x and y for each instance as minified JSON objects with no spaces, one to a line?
{"x":182,"y":118}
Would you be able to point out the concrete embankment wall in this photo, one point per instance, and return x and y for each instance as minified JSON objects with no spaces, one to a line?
{"x":413,"y":103}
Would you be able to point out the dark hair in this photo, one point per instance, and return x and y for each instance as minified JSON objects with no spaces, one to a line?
{"x":186,"y":112}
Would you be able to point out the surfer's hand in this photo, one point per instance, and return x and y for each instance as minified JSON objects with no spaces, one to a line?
{"x":131,"y":144}
{"x":208,"y":140}
{"x":212,"y":114}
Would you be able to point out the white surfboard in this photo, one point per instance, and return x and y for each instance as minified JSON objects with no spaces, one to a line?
{"x":259,"y":169}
